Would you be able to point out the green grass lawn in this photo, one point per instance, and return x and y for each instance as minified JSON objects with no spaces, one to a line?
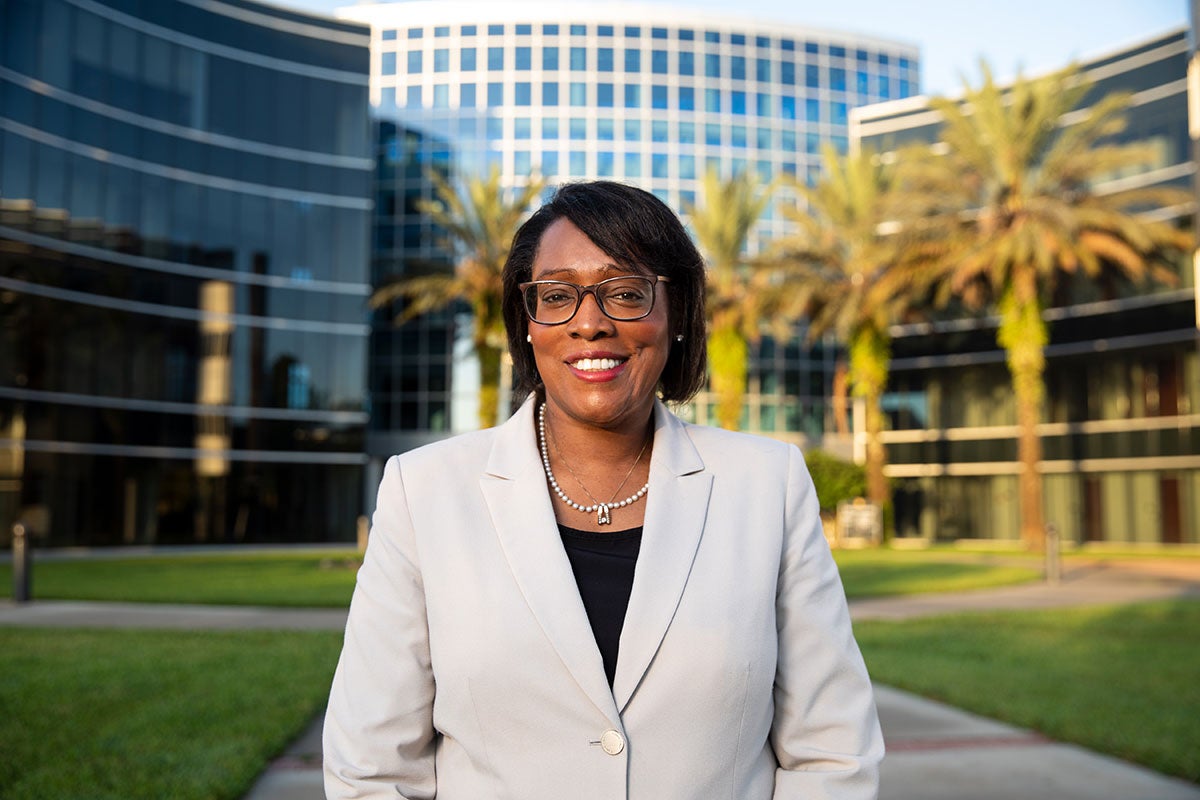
{"x":327,"y":579}
{"x":264,"y":579}
{"x":152,"y":714}
{"x":1120,"y":680}
{"x":876,"y":573}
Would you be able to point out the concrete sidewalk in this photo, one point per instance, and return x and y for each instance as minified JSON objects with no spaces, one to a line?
{"x":935,"y":752}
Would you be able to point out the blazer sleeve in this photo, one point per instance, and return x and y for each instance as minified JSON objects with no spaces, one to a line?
{"x":379,"y":738}
{"x":825,"y":732}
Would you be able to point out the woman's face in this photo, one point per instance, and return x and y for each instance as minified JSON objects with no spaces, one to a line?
{"x":596,"y":370}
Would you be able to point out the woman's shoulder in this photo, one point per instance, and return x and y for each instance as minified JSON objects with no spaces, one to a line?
{"x":707,"y":437}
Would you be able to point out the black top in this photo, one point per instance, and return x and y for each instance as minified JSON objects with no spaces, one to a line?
{"x":603,"y":565}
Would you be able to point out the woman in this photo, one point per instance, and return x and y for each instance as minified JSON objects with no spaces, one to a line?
{"x":595,"y":599}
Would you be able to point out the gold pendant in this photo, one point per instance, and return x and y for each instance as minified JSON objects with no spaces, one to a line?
{"x":603,"y":517}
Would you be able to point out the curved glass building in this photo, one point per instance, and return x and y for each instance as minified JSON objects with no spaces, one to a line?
{"x":648,"y":95}
{"x":184,"y":213}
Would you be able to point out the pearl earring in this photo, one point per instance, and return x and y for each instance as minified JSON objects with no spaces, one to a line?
{"x":529,"y":338}
{"x":679,"y":337}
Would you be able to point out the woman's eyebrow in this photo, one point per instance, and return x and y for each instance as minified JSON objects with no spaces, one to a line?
{"x":612,"y":269}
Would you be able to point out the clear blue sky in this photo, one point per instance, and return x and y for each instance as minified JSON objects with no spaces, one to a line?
{"x":1034,"y":35}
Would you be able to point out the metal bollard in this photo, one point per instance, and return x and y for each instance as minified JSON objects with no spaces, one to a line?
{"x":22,"y":566}
{"x":1053,"y":562}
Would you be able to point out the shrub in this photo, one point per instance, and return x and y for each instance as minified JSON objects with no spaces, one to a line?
{"x":836,"y":480}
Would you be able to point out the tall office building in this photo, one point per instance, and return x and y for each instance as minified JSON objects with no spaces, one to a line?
{"x":649,"y":95}
{"x":184,"y":212}
{"x":1121,"y":430}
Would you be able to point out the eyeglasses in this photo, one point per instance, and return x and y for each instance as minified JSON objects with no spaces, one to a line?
{"x":624,"y":298}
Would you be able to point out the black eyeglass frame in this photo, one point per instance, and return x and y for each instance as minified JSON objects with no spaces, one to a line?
{"x":583,"y":291}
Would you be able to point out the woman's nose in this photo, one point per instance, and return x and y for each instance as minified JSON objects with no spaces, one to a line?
{"x":589,"y":321}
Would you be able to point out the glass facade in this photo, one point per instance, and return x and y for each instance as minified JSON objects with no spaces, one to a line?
{"x":184,"y":215}
{"x":633,"y":95}
{"x":1121,"y":425}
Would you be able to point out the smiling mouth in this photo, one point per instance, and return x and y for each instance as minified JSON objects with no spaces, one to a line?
{"x":596,"y":364}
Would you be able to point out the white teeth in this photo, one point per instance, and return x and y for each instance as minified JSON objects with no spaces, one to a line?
{"x":595,"y":364}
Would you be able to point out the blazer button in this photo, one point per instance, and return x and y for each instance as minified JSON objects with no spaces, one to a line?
{"x":612,"y":742}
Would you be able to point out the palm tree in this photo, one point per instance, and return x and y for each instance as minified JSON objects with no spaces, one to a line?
{"x":481,"y":220}
{"x":858,"y":270}
{"x":741,"y":292}
{"x":1019,"y":184}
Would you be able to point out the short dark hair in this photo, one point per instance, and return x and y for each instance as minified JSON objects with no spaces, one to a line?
{"x":640,"y":233}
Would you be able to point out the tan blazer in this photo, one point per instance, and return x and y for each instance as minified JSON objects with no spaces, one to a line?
{"x":470,"y":671}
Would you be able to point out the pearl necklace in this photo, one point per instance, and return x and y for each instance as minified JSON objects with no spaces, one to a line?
{"x":603,"y":510}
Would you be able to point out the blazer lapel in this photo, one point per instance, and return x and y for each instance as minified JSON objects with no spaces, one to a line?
{"x":514,"y":488}
{"x":676,"y":507}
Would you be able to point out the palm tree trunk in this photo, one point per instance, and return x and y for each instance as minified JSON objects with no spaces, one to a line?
{"x":727,"y":359}
{"x":489,"y":383}
{"x":870,"y":359}
{"x":1023,"y":334}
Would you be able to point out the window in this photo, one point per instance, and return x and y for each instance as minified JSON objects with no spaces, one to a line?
{"x":604,"y":59}
{"x":441,"y":59}
{"x":658,"y":97}
{"x":787,"y":45}
{"x":604,"y":95}
{"x":687,"y":133}
{"x":660,"y":33}
{"x":633,"y":130}
{"x":737,"y":135}
{"x":737,"y":39}
{"x":388,"y":64}
{"x":737,"y":68}
{"x":659,"y":131}
{"x":604,"y":164}
{"x":762,"y":41}
{"x":687,"y":35}
{"x":389,"y":35}
{"x":687,"y":167}
{"x":522,"y":128}
{"x":604,"y":30}
{"x":549,"y":58}
{"x":441,"y":31}
{"x":712,"y":134}
{"x":837,"y":79}
{"x":658,"y":62}
{"x":812,"y":110}
{"x":524,"y":58}
{"x":862,"y":84}
{"x":522,"y":93}
{"x":414,"y":62}
{"x":787,"y":73}
{"x":712,"y":37}
{"x":605,"y":129}
{"x":883,"y":88}
{"x":659,"y":165}
{"x":812,"y":76}
{"x":787,"y":107}
{"x":495,"y":94}
{"x":762,"y":138}
{"x":579,"y":30}
{"x":550,"y":30}
{"x":905,"y":88}
{"x":495,"y":30}
{"x":687,"y":98}
{"x":632,"y":32}
{"x":712,"y":65}
{"x":836,"y":51}
{"x":578,"y":161}
{"x":466,"y":95}
{"x":524,"y":30}
{"x":737,"y":103}
{"x":762,"y":104}
{"x":414,"y":97}
{"x":687,"y":62}
{"x":466,"y":59}
{"x":633,"y":60}
{"x":579,"y":58}
{"x":549,"y":94}
{"x":495,"y":58}
{"x":468,"y":30}
{"x":712,"y":101}
{"x":550,"y":163}
{"x":388,"y":97}
{"x":787,"y":140}
{"x":633,"y":165}
{"x":762,"y":70}
{"x":578,"y":128}
{"x":415,"y":33}
{"x":633,"y":95}
{"x":441,"y":96}
{"x":550,"y":128}
{"x":578,"y":94}
{"x":812,"y":47}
